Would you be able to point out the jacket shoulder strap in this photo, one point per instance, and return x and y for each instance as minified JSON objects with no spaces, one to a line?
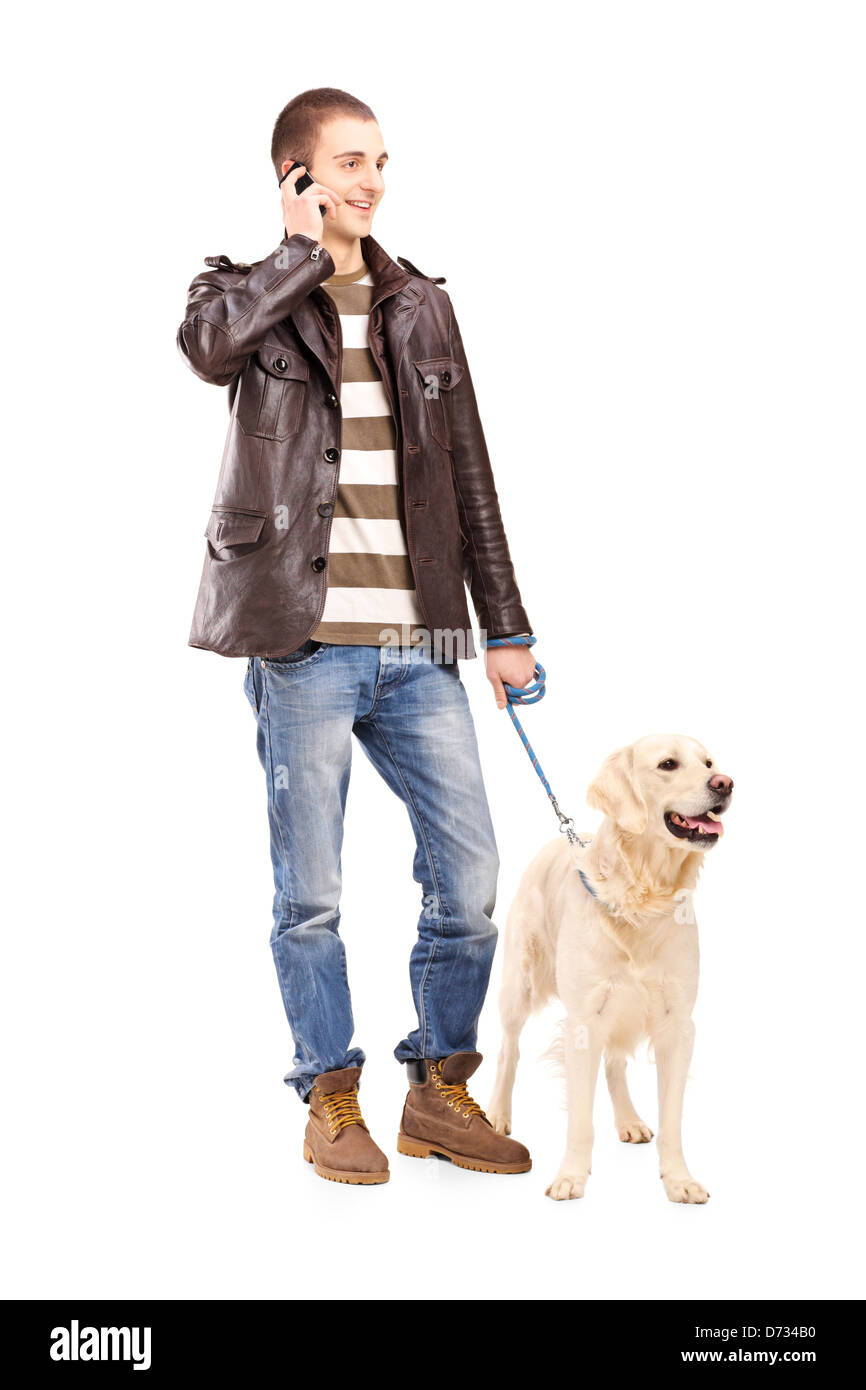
{"x":223,"y":263}
{"x":407,"y":265}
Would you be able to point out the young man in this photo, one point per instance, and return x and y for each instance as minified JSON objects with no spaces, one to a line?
{"x":355,"y":501}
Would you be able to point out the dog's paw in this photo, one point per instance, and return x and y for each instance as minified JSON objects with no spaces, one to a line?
{"x":634,"y":1131}
{"x":567,"y":1185}
{"x":499,"y":1120}
{"x":685,"y":1188}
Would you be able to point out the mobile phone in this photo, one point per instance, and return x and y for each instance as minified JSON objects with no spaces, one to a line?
{"x":303,"y":182}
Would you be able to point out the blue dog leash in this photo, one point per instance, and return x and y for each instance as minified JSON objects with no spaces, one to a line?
{"x":530,"y":695}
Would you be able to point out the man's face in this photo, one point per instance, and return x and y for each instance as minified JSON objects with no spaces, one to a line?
{"x":350,"y":158}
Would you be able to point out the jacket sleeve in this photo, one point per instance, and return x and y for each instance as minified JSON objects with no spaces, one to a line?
{"x":229,"y":313}
{"x":487,"y":566}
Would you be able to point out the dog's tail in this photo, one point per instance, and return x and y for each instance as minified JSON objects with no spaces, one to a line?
{"x":554,"y":1057}
{"x":528,"y":949}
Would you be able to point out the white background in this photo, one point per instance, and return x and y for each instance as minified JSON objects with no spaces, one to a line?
{"x":651,"y":220}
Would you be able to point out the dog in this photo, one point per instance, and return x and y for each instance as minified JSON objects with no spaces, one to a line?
{"x":606,"y":926}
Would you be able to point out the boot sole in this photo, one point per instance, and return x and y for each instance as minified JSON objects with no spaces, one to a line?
{"x":420,"y":1148}
{"x":342,"y":1174}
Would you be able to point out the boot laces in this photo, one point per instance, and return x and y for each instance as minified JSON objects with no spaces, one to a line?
{"x":342,"y":1108}
{"x":456,"y":1094}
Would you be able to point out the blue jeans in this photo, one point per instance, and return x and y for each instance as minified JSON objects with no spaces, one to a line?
{"x":411,"y":716}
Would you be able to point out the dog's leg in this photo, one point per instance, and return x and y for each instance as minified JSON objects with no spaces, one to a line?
{"x":583,"y":1048}
{"x":673,"y":1041}
{"x":629,"y":1125}
{"x":514,"y":1009}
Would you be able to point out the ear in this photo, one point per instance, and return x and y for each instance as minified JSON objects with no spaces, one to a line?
{"x":616,"y":794}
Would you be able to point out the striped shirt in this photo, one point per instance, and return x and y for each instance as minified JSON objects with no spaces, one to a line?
{"x":371,"y":597}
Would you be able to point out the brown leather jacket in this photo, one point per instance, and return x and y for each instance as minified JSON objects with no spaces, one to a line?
{"x":273,"y":338}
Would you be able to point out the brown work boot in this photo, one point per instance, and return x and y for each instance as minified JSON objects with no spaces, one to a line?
{"x":440,"y":1117}
{"x":337,"y":1142}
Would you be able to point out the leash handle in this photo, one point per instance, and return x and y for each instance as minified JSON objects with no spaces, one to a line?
{"x":526,"y":694}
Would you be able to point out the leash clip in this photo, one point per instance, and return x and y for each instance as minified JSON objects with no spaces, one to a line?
{"x":566,"y":825}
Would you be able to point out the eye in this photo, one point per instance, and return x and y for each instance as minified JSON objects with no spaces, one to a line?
{"x":669,"y":765}
{"x":709,"y":762}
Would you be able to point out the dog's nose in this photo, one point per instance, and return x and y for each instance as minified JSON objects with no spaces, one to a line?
{"x":721,"y":783}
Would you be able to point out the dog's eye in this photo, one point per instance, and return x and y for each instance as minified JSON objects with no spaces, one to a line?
{"x":709,"y":762}
{"x":669,"y":765}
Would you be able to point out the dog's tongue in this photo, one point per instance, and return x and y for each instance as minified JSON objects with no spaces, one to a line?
{"x":714,"y":827}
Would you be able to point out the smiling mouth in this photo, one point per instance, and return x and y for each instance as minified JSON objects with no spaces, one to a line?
{"x":360,"y":205}
{"x":707,"y":829}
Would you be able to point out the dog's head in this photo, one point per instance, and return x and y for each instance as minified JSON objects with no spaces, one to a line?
{"x":666,"y":786}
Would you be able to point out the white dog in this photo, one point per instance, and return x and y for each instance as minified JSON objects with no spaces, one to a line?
{"x":606,"y":926}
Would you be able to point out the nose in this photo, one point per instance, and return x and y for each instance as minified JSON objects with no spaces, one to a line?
{"x":721,"y":783}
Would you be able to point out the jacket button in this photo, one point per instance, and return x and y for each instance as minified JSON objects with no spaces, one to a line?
{"x":319,"y":563}
{"x":446,"y":378}
{"x":280,"y":364}
{"x":325,"y":508}
{"x":331,"y":400}
{"x":332,"y":455}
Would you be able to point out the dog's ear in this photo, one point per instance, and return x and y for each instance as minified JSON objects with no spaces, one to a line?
{"x":616,"y":794}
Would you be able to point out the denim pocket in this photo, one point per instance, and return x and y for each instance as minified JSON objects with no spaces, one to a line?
{"x":251,"y":689}
{"x":304,"y":655}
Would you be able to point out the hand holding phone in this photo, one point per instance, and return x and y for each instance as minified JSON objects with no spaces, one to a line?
{"x":300,"y":212}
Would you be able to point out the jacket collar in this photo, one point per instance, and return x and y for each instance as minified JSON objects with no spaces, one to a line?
{"x":388,"y":277}
{"x":318,"y":330}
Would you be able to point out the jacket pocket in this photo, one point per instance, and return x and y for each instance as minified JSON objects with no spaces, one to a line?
{"x":439,"y":376}
{"x":272,"y":390}
{"x":230,"y":527}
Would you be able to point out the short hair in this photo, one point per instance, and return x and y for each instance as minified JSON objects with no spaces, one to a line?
{"x":299,"y":125}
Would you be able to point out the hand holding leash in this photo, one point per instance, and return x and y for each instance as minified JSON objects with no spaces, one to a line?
{"x":514,"y":665}
{"x":524,"y":694}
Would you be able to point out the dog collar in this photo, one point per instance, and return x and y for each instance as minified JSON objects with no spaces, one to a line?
{"x":574,"y":840}
{"x":593,"y":894}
